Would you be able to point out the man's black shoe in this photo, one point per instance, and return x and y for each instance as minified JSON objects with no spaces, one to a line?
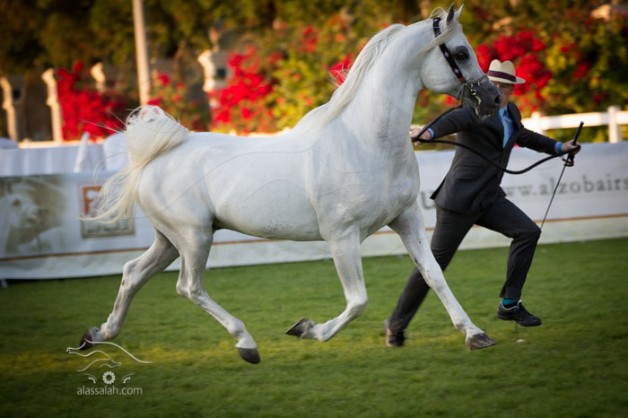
{"x":393,"y":339}
{"x":519,"y":314}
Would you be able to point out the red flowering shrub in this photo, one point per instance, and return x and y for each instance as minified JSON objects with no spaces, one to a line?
{"x":316,"y":61}
{"x":174,"y":98}
{"x":587,"y":67}
{"x":84,"y":109}
{"x":242,"y":104}
{"x":271,"y":89}
{"x":525,"y":51}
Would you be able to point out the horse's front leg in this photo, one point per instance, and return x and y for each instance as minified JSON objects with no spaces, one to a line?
{"x":411,"y":228}
{"x":346,"y":254}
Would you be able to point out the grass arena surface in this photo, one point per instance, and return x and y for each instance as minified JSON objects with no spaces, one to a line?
{"x":574,"y":365}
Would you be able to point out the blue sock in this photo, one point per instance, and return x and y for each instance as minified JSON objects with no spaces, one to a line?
{"x":509,"y":303}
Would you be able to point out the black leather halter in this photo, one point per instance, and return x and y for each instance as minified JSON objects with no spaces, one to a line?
{"x":472,"y":85}
{"x":448,"y":57}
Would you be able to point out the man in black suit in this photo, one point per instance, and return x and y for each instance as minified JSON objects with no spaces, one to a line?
{"x":471,"y":195}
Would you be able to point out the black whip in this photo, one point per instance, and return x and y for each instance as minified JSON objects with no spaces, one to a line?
{"x":569,"y":162}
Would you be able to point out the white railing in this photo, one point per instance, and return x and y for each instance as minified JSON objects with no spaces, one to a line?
{"x":614,"y":118}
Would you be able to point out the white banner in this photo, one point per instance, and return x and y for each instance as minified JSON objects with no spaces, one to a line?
{"x":42,"y":234}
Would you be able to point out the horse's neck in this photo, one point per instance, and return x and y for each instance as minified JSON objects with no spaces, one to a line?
{"x":384,"y":110}
{"x":385,"y":102}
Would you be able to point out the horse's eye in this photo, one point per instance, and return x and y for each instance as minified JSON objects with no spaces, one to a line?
{"x":461,"y":53}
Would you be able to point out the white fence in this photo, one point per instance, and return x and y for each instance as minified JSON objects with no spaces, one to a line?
{"x":614,"y":118}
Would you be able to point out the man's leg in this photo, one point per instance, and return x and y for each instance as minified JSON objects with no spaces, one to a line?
{"x":450,"y":229}
{"x":505,"y":217}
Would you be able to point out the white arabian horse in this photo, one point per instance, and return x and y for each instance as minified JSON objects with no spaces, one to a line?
{"x":346,"y":170}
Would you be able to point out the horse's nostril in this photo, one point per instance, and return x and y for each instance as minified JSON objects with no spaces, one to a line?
{"x":498,"y":100}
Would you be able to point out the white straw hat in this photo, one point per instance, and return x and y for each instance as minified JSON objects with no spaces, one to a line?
{"x":503,"y":72}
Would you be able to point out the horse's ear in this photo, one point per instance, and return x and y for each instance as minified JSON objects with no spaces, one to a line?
{"x":453,"y":14}
{"x":450,"y":14}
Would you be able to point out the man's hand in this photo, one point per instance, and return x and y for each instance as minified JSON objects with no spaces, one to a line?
{"x":414,"y":132}
{"x":569,"y":147}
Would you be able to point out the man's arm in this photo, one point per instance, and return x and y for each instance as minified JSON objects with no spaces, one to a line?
{"x":542,"y":143}
{"x":458,"y":120}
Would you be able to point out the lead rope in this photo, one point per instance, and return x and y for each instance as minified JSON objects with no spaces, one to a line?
{"x":569,"y":161}
{"x":499,"y":167}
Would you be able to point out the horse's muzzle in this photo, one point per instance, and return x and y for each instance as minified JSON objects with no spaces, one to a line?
{"x":482,"y":95}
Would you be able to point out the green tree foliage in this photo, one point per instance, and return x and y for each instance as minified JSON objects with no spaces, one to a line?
{"x":582,"y":61}
{"x":20,"y":49}
{"x":311,"y":53}
{"x":581,"y":66}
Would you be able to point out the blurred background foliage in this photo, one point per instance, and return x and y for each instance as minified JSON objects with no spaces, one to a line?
{"x":285,"y":57}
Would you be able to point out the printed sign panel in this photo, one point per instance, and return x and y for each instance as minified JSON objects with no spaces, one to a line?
{"x":44,"y":233}
{"x":88,"y":198}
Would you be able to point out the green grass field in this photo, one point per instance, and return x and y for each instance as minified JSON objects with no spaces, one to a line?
{"x":574,"y":365}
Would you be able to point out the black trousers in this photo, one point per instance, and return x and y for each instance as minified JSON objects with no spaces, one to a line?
{"x":451,"y":228}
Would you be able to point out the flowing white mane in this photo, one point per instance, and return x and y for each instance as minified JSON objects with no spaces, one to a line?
{"x":364,"y":62}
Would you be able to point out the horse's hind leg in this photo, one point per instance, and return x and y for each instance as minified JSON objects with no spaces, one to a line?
{"x":135,"y":273}
{"x":190,"y":284}
{"x":410,"y":228}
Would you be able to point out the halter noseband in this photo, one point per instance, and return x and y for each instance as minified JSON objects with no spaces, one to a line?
{"x":472,"y":85}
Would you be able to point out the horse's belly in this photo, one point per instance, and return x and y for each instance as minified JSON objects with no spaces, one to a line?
{"x":276,"y":209}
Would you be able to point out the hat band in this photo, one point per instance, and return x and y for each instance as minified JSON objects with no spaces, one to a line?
{"x":503,"y":75}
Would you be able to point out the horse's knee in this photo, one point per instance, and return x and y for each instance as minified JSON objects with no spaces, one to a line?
{"x":181,"y":289}
{"x":187,"y":292}
{"x":128,"y":267}
{"x":195,"y":292}
{"x":130,"y":279}
{"x":357,"y":306}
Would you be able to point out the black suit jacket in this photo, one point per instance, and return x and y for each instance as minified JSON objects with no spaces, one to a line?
{"x":472,"y":184}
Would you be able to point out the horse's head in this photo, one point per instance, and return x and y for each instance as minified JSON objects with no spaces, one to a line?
{"x":452,"y":67}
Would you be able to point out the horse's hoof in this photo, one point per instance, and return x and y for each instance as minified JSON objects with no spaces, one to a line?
{"x":87,"y":338}
{"x":477,"y":341}
{"x":249,"y":355}
{"x":300,"y":328}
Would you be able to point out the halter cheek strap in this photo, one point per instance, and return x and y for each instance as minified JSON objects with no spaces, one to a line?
{"x":473,"y":85}
{"x":448,"y":57}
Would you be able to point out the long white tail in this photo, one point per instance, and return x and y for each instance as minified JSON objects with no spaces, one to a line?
{"x":150,"y":132}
